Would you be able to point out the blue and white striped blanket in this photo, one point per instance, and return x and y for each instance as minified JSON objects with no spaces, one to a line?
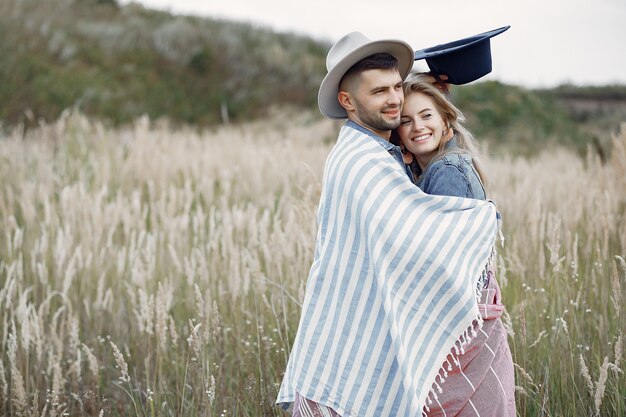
{"x":392,"y":288}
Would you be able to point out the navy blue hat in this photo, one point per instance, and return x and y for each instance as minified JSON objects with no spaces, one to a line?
{"x":462,"y":61}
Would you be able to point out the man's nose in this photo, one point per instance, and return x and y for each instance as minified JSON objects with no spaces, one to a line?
{"x":395,"y":97}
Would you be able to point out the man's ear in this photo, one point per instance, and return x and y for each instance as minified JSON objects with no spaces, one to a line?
{"x":345,"y":99}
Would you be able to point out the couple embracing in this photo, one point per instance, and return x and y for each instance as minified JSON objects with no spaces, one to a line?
{"x":401,"y":316}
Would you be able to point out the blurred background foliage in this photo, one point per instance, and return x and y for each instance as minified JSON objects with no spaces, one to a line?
{"x":118,"y":63}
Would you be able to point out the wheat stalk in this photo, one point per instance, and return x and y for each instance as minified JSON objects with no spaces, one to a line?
{"x":584,"y":371}
{"x":121,"y":363}
{"x":601,"y":385}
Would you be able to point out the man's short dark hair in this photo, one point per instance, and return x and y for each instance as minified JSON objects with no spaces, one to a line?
{"x":382,"y":61}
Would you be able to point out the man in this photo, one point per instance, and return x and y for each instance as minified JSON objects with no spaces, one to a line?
{"x":364,"y":84}
{"x":392,"y":287}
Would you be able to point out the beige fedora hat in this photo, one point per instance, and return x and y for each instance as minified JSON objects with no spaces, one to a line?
{"x":346,"y":52}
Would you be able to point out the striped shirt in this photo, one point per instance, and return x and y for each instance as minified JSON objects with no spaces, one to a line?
{"x":392,"y":287}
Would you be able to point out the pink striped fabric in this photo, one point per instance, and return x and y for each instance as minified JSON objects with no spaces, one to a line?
{"x":303,"y":407}
{"x":481,"y":383}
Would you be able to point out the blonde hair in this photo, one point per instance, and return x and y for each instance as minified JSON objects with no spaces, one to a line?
{"x":420,"y":83}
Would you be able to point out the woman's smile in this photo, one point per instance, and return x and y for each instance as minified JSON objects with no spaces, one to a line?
{"x":422,"y":138}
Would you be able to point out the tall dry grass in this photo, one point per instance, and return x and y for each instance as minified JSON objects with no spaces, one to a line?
{"x":156,"y":272}
{"x":563,"y":274}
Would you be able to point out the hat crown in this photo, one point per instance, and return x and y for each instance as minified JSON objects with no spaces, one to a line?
{"x":343,"y":47}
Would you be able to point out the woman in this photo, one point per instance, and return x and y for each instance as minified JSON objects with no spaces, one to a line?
{"x":440,"y":151}
{"x":443,"y":160}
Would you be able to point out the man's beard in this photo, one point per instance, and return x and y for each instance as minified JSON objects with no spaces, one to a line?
{"x":375,"y":120}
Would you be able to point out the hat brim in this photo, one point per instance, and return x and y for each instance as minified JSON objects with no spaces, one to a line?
{"x":453,"y":46}
{"x":463,"y":60}
{"x":329,"y":88}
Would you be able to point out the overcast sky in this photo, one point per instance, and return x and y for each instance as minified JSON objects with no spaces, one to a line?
{"x":550,"y":42}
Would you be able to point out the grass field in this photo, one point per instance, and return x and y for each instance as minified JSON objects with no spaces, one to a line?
{"x":155,"y":272}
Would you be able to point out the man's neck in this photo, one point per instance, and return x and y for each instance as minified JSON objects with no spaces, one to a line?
{"x":385,"y":134}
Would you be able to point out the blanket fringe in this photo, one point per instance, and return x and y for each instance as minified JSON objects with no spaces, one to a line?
{"x":462,"y":342}
{"x":458,"y":349}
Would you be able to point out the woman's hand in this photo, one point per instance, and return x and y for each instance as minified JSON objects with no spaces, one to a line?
{"x":438,"y":81}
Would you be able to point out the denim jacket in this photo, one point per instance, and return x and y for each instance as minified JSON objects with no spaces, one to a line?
{"x":452,"y":175}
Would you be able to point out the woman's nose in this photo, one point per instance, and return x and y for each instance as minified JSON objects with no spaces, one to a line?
{"x":418,"y":127}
